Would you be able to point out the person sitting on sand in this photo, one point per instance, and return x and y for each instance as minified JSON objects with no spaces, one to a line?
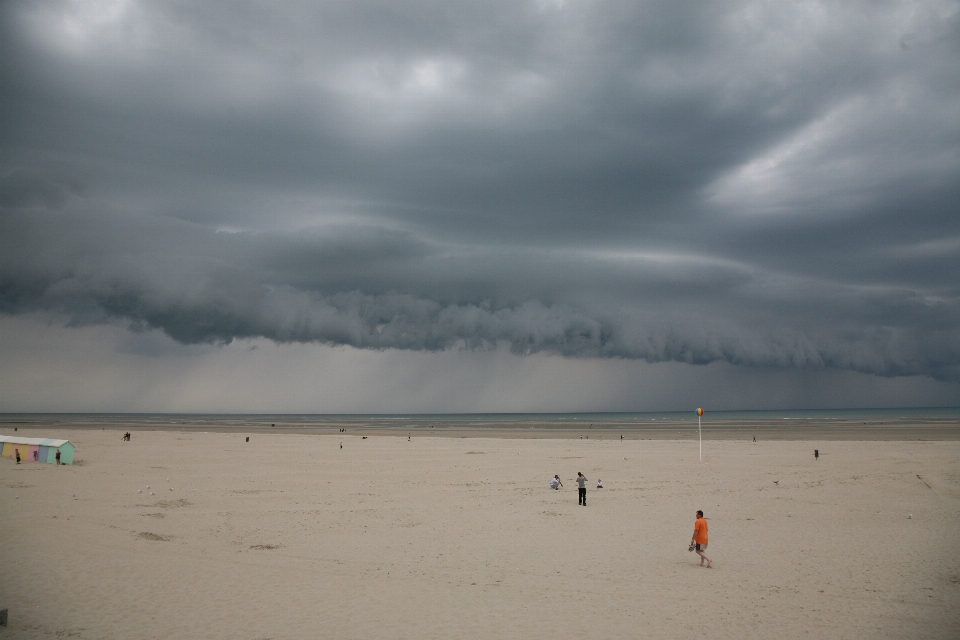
{"x":555,"y":482}
{"x":599,"y":484}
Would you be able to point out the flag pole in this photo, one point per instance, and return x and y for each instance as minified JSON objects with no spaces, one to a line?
{"x":700,"y":432}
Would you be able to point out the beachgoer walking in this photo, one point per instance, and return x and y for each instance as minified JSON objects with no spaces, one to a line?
{"x":555,"y":482}
{"x":816,"y":454}
{"x":58,"y":456}
{"x":582,"y":492}
{"x":17,"y":451}
{"x":700,"y":538}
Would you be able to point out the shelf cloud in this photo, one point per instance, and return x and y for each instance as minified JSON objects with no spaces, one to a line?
{"x":763,"y":185}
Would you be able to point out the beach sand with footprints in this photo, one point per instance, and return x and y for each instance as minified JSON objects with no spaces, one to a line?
{"x":290,"y":536}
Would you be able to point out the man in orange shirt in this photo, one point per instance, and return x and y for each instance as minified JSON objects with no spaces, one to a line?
{"x":700,"y":539}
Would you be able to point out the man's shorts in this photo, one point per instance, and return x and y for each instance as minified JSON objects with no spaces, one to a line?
{"x":702,"y":547}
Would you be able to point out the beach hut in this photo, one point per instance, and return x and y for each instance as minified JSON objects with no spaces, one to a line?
{"x":37,"y":449}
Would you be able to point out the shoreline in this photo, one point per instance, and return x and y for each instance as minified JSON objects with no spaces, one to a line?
{"x":907,"y":429}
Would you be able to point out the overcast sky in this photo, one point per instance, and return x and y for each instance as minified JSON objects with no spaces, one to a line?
{"x":443,"y":206}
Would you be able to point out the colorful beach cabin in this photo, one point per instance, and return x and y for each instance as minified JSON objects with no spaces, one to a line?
{"x":37,"y":449}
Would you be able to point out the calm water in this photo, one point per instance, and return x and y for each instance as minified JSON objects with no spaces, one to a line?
{"x":500,"y":419}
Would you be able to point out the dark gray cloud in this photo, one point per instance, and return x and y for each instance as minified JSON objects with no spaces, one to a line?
{"x":758,"y":184}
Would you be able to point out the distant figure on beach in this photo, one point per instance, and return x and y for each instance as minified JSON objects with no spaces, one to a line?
{"x":17,"y":451}
{"x":126,"y":436}
{"x":582,"y":492}
{"x":35,"y":455}
{"x":599,"y":484}
{"x":555,"y":482}
{"x":816,"y":454}
{"x":341,"y":445}
{"x":754,"y":438}
{"x":581,"y":436}
{"x":58,"y":456}
{"x":700,"y":538}
{"x":408,"y":437}
{"x":621,"y":436}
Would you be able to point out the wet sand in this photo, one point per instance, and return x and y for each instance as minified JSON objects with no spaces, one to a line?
{"x":896,"y":429}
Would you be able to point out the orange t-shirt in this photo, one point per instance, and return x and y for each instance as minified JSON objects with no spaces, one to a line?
{"x":700,"y":531}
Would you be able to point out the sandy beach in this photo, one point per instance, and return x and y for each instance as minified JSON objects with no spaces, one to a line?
{"x":291,"y":536}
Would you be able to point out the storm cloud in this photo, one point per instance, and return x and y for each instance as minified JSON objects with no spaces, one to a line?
{"x":759,"y":184}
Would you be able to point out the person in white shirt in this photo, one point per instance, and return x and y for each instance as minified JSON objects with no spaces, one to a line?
{"x":582,"y":492}
{"x":599,"y":484}
{"x":555,"y":482}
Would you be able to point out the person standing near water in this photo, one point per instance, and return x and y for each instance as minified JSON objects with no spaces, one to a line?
{"x":700,"y":538}
{"x":582,"y":491}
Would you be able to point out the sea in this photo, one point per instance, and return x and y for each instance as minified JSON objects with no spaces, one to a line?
{"x":499,"y":420}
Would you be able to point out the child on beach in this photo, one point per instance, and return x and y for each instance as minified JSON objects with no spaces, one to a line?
{"x":555,"y":482}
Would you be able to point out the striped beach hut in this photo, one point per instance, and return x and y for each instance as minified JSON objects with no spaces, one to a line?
{"x":37,"y":449}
